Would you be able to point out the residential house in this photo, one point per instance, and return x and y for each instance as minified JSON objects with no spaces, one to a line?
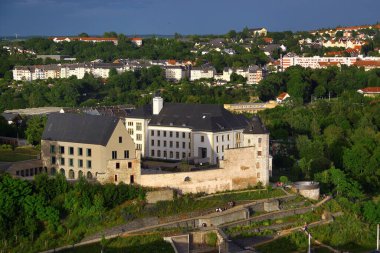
{"x":370,"y":91}
{"x":282,"y":97}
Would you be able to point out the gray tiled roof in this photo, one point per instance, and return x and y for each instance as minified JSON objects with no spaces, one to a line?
{"x":79,"y":128}
{"x":198,"y":117}
{"x":255,"y":126}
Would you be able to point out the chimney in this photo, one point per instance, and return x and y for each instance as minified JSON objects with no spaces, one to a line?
{"x":158,"y":103}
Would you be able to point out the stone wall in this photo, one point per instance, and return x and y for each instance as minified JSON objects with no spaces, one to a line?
{"x":238,"y":171}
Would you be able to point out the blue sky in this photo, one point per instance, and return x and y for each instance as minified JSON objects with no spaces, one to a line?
{"x":71,"y":17}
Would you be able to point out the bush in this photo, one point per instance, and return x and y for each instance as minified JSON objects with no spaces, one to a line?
{"x":211,"y":239}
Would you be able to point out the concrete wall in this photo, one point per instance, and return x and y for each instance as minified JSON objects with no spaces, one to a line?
{"x":224,"y":217}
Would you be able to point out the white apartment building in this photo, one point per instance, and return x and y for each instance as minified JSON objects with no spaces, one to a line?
{"x":175,"y":73}
{"x":192,"y":132}
{"x":313,"y":62}
{"x":202,"y":72}
{"x":254,"y":75}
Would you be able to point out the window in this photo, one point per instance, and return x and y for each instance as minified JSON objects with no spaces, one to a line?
{"x":165,"y":154}
{"x":249,"y":141}
{"x":228,"y":146}
{"x":189,"y":135}
{"x":114,"y":154}
{"x":189,"y":145}
{"x":222,"y":137}
{"x":177,"y":134}
{"x":62,"y":162}
{"x":131,"y":179}
{"x":222,"y":148}
{"x":117,"y":165}
{"x":165,"y":144}
{"x":183,"y":135}
{"x":183,"y":155}
{"x":217,"y":138}
{"x":228,"y":137}
{"x":183,"y":145}
{"x":138,"y":126}
{"x":170,"y":134}
{"x":53,"y":160}
{"x":52,"y":149}
{"x":158,"y":132}
{"x":71,"y":151}
{"x":177,"y":144}
{"x":152,"y":152}
{"x":120,"y":139}
{"x":158,"y":153}
{"x":80,"y":151}
{"x":152,"y":133}
{"x":126,"y":154}
{"x":164,"y":133}
{"x":139,"y":137}
{"x":171,"y":154}
{"x":130,"y":123}
{"x":88,"y":152}
{"x":171,"y":144}
{"x":115,"y":178}
{"x":61,"y":149}
{"x":177,"y":155}
{"x":130,"y":131}
{"x":71,"y":162}
{"x":138,"y":146}
{"x":152,"y":142}
{"x":217,"y":149}
{"x":260,"y":140}
{"x":158,"y":143}
{"x":257,"y":165}
{"x":258,"y":153}
{"x":80,"y":163}
{"x":89,"y":164}
{"x":202,"y":139}
{"x":129,"y":165}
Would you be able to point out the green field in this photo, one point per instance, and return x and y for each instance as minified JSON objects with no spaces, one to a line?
{"x":133,"y":244}
{"x":19,"y":154}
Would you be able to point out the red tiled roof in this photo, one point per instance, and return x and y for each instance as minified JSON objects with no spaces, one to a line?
{"x":370,"y":90}
{"x":268,"y":40}
{"x":172,"y":62}
{"x":367,"y":63}
{"x":134,"y":39}
{"x":282,"y":95}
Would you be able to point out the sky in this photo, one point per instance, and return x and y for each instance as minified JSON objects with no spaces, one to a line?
{"x":166,"y":17}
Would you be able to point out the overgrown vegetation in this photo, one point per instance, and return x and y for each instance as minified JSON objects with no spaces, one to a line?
{"x":49,"y":212}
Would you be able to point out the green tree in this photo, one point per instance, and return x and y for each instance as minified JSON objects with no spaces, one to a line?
{"x":34,"y":129}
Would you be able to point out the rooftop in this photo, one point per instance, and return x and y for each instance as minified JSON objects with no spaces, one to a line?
{"x":79,"y":128}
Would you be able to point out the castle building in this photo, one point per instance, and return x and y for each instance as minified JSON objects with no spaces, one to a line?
{"x":199,"y":133}
{"x":82,"y":145}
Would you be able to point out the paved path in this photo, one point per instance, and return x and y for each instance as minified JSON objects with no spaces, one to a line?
{"x":147,"y":224}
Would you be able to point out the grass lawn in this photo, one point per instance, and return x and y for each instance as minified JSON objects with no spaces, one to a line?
{"x":132,"y":244}
{"x":19,"y":154}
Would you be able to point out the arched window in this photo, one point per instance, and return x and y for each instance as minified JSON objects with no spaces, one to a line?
{"x":80,"y":174}
{"x":53,"y":171}
{"x":71,"y":174}
{"x":62,"y":171}
{"x":89,"y":175}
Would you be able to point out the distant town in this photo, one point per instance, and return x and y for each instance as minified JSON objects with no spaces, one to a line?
{"x":250,"y":141}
